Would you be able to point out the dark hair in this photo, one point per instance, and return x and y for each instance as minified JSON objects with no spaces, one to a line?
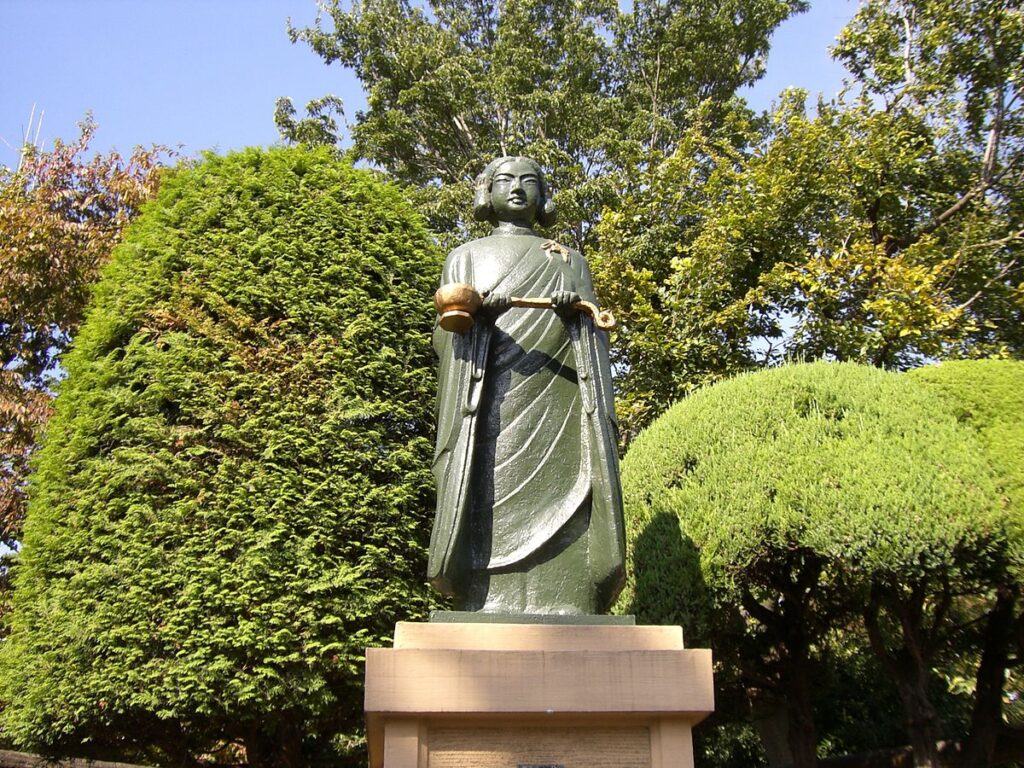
{"x":484,"y":211}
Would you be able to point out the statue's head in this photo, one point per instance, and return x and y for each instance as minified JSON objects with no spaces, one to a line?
{"x":513,"y":189}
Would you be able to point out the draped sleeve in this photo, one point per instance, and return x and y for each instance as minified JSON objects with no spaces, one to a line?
{"x":461,"y":361}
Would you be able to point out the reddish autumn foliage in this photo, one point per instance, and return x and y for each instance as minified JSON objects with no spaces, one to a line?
{"x":61,"y":214}
{"x":23,"y":412}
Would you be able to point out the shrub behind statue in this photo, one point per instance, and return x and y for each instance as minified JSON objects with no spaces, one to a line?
{"x":231,"y":501}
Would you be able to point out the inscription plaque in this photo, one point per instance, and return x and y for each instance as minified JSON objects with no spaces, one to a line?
{"x":538,"y":747}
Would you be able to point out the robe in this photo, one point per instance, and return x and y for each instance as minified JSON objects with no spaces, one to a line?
{"x":527,"y":440}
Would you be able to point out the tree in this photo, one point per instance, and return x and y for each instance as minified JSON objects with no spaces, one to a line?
{"x":764,"y":512}
{"x":233,"y":498}
{"x":318,"y":128}
{"x":885,"y":228}
{"x":679,"y":327}
{"x":61,"y":215}
{"x":988,"y":397}
{"x":588,"y":90}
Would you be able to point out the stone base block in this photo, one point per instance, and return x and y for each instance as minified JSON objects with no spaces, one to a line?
{"x":456,"y":695}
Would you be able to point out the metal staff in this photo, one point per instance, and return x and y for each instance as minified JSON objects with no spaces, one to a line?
{"x":457,"y":303}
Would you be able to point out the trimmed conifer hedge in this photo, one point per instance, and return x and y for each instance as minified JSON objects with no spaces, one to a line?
{"x":233,"y":499}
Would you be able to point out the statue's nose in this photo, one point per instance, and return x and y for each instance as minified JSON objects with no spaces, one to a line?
{"x":517,"y":183}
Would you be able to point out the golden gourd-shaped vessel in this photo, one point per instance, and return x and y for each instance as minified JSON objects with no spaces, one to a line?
{"x":457,"y":303}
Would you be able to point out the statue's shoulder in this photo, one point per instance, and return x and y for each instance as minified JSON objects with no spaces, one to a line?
{"x":465,"y":262}
{"x":575,"y":255}
{"x":487,"y":242}
{"x":461,"y":253}
{"x":485,"y":247}
{"x":470,"y":247}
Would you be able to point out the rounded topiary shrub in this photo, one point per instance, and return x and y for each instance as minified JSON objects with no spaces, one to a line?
{"x":233,"y":499}
{"x":851,"y":462}
{"x":988,"y":397}
{"x":777,"y":514}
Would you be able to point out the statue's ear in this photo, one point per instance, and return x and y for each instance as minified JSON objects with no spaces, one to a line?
{"x":548,"y":214}
{"x":482,"y":210}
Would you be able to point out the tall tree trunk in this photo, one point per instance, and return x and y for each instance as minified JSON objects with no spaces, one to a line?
{"x":290,"y":740}
{"x":923,"y":724}
{"x":790,"y":623}
{"x":771,"y":719}
{"x":796,"y":683}
{"x":786,"y":726}
{"x":910,"y":666}
{"x":803,"y":736}
{"x":278,"y":747}
{"x":987,"y":715}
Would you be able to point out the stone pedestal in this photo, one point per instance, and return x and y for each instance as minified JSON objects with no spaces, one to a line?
{"x":535,"y":696}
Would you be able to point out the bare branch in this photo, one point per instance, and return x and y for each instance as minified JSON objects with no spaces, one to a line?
{"x":908,"y":31}
{"x":1004,"y":272}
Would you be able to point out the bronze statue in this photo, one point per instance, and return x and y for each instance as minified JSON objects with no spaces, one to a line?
{"x":529,"y":508}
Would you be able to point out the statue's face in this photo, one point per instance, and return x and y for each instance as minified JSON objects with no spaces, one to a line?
{"x":515,"y":193}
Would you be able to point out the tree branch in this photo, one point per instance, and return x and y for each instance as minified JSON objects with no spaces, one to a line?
{"x":1004,"y":272}
{"x":908,"y":31}
{"x":764,"y":615}
{"x":870,"y":615}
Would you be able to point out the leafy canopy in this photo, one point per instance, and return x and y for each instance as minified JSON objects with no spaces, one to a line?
{"x":585,"y":88}
{"x":884,"y":227}
{"x":988,"y":397}
{"x":846,"y":462}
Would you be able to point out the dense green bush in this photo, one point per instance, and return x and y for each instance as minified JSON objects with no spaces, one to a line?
{"x":987,"y":397}
{"x":233,"y":498}
{"x":769,"y":512}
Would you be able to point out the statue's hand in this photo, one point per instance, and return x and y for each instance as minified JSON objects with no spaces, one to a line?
{"x":563,"y":301}
{"x":495,"y":303}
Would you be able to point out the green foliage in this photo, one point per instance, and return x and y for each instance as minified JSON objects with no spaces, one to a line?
{"x":932,"y":55}
{"x":988,"y":397}
{"x":840,"y":460}
{"x":724,"y":741}
{"x":318,"y":128}
{"x":884,"y":228}
{"x":233,"y":497}
{"x":588,"y":90}
{"x":856,"y":706}
{"x":761,"y":513}
{"x":679,"y":328}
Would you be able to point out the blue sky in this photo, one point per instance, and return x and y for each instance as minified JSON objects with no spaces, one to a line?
{"x":206,"y":73}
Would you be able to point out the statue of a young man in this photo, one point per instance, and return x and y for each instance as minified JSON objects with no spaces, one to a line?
{"x":529,"y":507}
